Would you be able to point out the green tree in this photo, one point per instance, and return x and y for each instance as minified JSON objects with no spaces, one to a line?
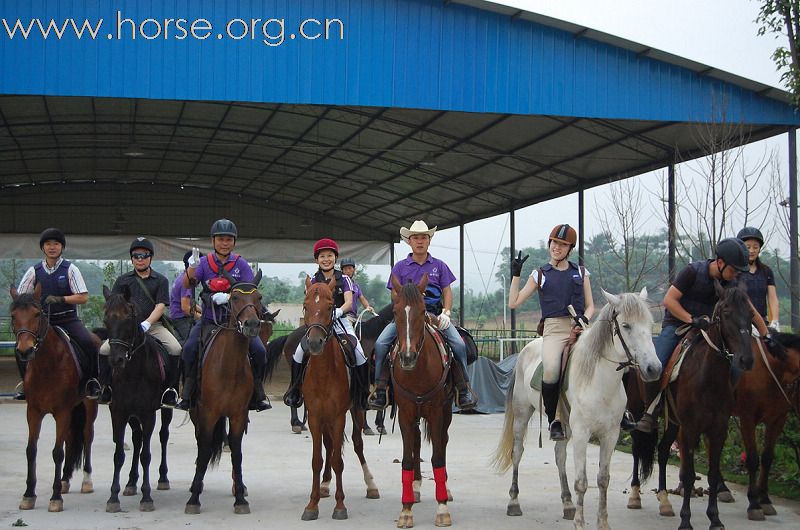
{"x":782,"y":17}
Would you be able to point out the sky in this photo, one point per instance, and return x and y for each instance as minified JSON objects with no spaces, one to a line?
{"x":720,"y":33}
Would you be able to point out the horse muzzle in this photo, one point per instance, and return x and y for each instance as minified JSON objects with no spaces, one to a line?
{"x":250,"y":328}
{"x":407,"y":361}
{"x":312,"y":346}
{"x":651,"y":372}
{"x":26,"y":355}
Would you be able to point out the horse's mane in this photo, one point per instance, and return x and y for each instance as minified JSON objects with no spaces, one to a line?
{"x":789,"y":340}
{"x":410,"y":292}
{"x":594,"y":341}
{"x":736,"y":296}
{"x":116,"y":302}
{"x":24,"y":301}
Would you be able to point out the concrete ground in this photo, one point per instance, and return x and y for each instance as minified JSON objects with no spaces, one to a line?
{"x":278,"y":475}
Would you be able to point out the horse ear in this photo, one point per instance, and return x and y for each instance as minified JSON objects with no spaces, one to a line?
{"x":37,"y":291}
{"x":106,"y":291}
{"x":423,"y":283}
{"x":126,"y":293}
{"x":13,"y":292}
{"x":257,"y":279}
{"x":332,"y":284}
{"x":227,"y":276}
{"x":643,"y":293}
{"x":275,"y":314}
{"x":612,"y":298}
{"x":396,"y":284}
{"x":308,"y":282}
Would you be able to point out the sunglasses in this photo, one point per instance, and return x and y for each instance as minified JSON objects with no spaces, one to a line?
{"x":140,"y":255}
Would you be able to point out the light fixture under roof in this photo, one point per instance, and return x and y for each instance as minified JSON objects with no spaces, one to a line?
{"x":428,"y":160}
{"x":134,"y":150}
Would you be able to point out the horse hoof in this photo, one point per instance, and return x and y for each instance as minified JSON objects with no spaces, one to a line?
{"x":405,"y":521}
{"x":56,"y":506}
{"x":241,"y":509}
{"x":725,"y":496}
{"x":28,"y":503}
{"x":569,"y":513}
{"x":340,"y":515}
{"x":666,"y":511}
{"x":443,"y":519}
{"x":163,"y":485}
{"x":768,"y":509}
{"x":634,"y":504}
{"x":147,"y":506}
{"x":192,"y":509}
{"x":373,"y":494}
{"x":514,"y":510}
{"x":112,"y":507}
{"x":129,"y":491}
{"x":297,"y":429}
{"x":64,"y":487}
{"x":755,"y":515}
{"x":310,"y":515}
{"x":87,"y":486}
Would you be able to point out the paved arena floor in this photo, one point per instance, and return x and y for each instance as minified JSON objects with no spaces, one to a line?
{"x":277,"y":473}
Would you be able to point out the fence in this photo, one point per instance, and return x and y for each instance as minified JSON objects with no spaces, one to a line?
{"x":497,"y":344}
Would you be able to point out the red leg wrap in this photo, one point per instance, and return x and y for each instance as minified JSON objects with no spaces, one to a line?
{"x":440,"y":477}
{"x":408,"y":486}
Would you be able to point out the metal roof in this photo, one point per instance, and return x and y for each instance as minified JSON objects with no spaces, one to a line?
{"x":473,"y":114}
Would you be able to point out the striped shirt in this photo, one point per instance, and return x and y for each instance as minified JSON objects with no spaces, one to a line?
{"x":76,"y":283}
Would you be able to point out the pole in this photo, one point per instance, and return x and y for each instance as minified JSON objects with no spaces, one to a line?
{"x":580,"y":228}
{"x":794,"y":266}
{"x":671,"y":220}
{"x":461,"y":308}
{"x":513,"y":248}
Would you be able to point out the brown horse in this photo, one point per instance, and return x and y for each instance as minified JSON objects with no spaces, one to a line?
{"x":52,"y":387}
{"x":700,"y":402}
{"x":328,"y":396}
{"x":225,"y":387}
{"x":422,"y":391}
{"x":765,"y":395}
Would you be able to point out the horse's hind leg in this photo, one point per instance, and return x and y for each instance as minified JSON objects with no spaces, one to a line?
{"x":163,"y":437}
{"x":359,"y":419}
{"x":567,"y":507}
{"x":664,"y":506}
{"x":771,"y":433}
{"x":235,"y":434}
{"x":62,"y":432}
{"x":297,"y":424}
{"x":340,"y":510}
{"x":133,"y":475}
{"x":88,"y":438}
{"x":148,"y":425}
{"x":522,"y":415}
{"x":118,"y":433}
{"x":34,"y":427}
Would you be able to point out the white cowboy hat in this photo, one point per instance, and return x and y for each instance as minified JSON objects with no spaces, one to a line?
{"x":418,"y":227}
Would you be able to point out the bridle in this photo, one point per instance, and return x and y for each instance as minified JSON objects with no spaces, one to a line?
{"x":631,"y":362}
{"x":40,"y":334}
{"x":326,"y":330}
{"x":416,"y":353}
{"x":239,"y":326}
{"x":130,"y":348}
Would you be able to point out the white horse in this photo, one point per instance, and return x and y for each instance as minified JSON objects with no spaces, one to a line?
{"x":621,"y":337}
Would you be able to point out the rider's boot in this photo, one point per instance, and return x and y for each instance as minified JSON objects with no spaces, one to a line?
{"x":294,"y":396}
{"x":648,"y":422}
{"x":169,"y":399}
{"x":378,"y":400}
{"x":361,"y":374}
{"x":104,"y":372}
{"x":259,"y":401}
{"x":465,"y":400}
{"x":550,"y":395}
{"x":19,"y":392}
{"x":189,"y":381}
{"x":93,"y":388}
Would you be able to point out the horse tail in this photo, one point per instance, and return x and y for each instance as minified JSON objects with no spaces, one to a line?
{"x":501,"y":458}
{"x":73,"y":459}
{"x":217,"y":439}
{"x":274,"y":354}
{"x":644,"y":448}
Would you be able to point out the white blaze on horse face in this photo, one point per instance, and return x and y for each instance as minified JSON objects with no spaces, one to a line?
{"x":408,"y":328}
{"x":316,"y":298}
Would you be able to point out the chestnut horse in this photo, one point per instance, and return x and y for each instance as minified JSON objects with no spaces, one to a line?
{"x":139,"y":379}
{"x":700,"y":402}
{"x":422,"y":390}
{"x":226,"y":385}
{"x":328,"y":396}
{"x":52,"y":387}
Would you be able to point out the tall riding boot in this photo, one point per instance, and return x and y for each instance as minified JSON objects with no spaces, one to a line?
{"x":169,"y":398}
{"x":19,"y":394}
{"x":648,"y":422}
{"x":93,"y":388}
{"x":189,"y":382}
{"x":361,"y":374}
{"x":294,"y":396}
{"x":104,"y":376}
{"x":258,"y":401}
{"x":627,"y":423}
{"x":464,"y":398}
{"x":378,"y":400}
{"x":550,"y":395}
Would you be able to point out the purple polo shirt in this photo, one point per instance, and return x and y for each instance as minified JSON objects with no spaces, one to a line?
{"x":177,"y":293}
{"x":241,"y":272}
{"x":408,"y":270}
{"x":356,"y":295}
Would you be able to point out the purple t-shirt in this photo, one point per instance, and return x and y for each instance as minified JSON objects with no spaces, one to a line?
{"x":177,"y":293}
{"x":356,"y":296}
{"x":241,"y":272}
{"x":408,"y":270}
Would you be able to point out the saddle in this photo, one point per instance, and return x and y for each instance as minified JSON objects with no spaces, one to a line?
{"x":81,"y":359}
{"x":673,"y":367}
{"x":536,"y":380}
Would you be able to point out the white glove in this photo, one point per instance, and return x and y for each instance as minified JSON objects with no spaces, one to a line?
{"x":370,"y":309}
{"x":444,"y":321}
{"x":337,"y":313}
{"x":775,"y":325}
{"x":145,"y":325}
{"x":194,"y":259}
{"x":220,"y":298}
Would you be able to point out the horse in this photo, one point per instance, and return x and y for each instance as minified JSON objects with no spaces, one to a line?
{"x":139,"y":380}
{"x":51,"y":387}
{"x":700,"y":402}
{"x":422,"y":390}
{"x":328,"y":396}
{"x":591,"y":405}
{"x":765,"y":395}
{"x":226,"y":385}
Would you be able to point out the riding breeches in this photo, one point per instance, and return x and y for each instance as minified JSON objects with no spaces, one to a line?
{"x":189,"y":354}
{"x":342,"y":326}
{"x":78,"y":332}
{"x":389,"y":335}
{"x":159,"y":332}
{"x":557,"y":331}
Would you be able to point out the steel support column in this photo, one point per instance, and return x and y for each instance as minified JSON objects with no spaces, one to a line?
{"x":794,"y":266}
{"x":461,"y":308}
{"x":671,"y":221}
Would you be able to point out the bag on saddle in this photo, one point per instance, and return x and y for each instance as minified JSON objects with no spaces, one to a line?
{"x":469,"y":342}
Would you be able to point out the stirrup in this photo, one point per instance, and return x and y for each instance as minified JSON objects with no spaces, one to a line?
{"x":372,"y":400}
{"x":19,"y":392}
{"x":95,"y":387}
{"x":169,"y":399}
{"x":105,"y":396}
{"x":628,"y":423}
{"x":468,"y":402}
{"x":260,"y":405}
{"x":557,"y":433}
{"x":184,"y":404}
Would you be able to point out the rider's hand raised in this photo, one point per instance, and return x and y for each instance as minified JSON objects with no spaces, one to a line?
{"x":517,"y":263}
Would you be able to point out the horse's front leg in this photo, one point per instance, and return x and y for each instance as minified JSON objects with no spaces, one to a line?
{"x":417,"y":462}
{"x":635,"y":498}
{"x":163,"y":437}
{"x":337,"y":462}
{"x":771,"y":433}
{"x":297,"y":423}
{"x":580,"y":440}
{"x":148,"y":426}
{"x":63,"y":430}
{"x":235,"y":435}
{"x":522,"y":415}
{"x":687,"y":476}
{"x":118,"y":432}
{"x":715,"y":442}
{"x":325,"y":485}
{"x":607,"y":444}
{"x":88,"y":438}
{"x":34,"y":428}
{"x":133,"y":475}
{"x":439,"y":463}
{"x":567,"y":507}
{"x":311,"y":511}
{"x":359,"y":420}
{"x":410,"y":432}
{"x":203,"y":433}
{"x":748,"y":430}
{"x":664,"y":447}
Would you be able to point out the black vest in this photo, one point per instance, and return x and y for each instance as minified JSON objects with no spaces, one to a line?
{"x":56,"y":284}
{"x":561,"y":289}
{"x":700,"y":299}
{"x":338,"y":290}
{"x":757,"y":288}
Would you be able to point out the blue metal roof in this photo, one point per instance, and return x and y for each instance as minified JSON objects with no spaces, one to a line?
{"x":422,"y":54}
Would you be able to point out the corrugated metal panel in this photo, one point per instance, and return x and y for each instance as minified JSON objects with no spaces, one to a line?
{"x":396,"y":53}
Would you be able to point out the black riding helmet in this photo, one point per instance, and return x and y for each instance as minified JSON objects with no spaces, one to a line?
{"x":749,"y":232}
{"x":142,"y":242}
{"x":733,"y":251}
{"x":52,"y":233}
{"x":224,"y":227}
{"x":344,"y":262}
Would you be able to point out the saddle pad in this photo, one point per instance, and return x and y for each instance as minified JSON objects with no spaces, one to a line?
{"x":673,"y":367}
{"x":536,"y":380}
{"x":212,"y":336}
{"x":78,"y":355}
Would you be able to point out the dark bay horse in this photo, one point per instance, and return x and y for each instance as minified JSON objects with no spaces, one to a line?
{"x":328,"y":396}
{"x":700,"y":402}
{"x":422,"y":390}
{"x":52,"y":387}
{"x":226,"y":384}
{"x":139,"y":380}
